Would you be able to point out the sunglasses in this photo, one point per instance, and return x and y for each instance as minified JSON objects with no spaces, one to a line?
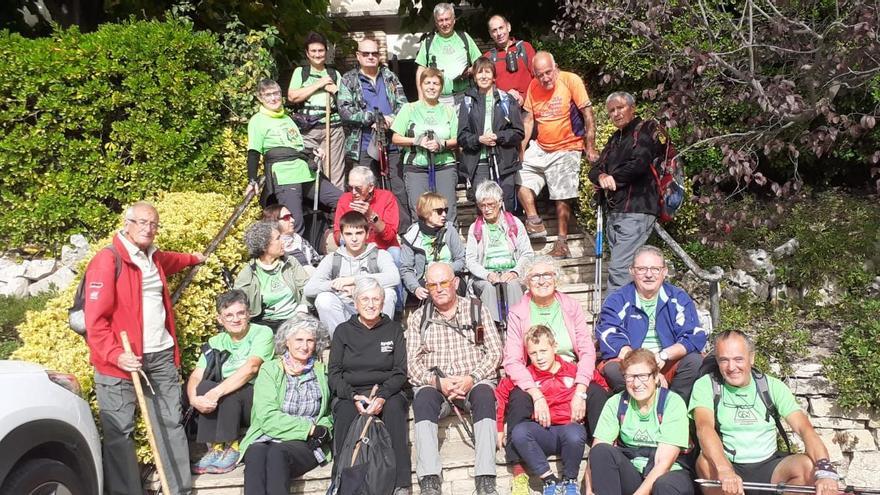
{"x":286,"y":218}
{"x":434,"y":286}
{"x":370,"y":54}
{"x":441,"y":211}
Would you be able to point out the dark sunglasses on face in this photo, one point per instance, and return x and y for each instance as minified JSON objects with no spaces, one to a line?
{"x":370,"y":54}
{"x":286,"y":218}
{"x":441,"y":211}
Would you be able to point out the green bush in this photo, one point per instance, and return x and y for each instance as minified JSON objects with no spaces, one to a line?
{"x":854,"y":368}
{"x":12,"y":312}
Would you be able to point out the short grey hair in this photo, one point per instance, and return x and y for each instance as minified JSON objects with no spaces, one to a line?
{"x":728,"y":334}
{"x":628,"y":97}
{"x":302,"y":322}
{"x":647,"y":248}
{"x":539,"y":259}
{"x":488,"y":190}
{"x":231,"y":297}
{"x":365,"y":284}
{"x":364,"y":173}
{"x":257,"y":237}
{"x":443,"y":7}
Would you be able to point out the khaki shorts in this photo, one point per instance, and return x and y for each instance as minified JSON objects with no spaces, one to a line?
{"x":560,"y":170}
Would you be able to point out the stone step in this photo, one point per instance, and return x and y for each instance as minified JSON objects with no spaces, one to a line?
{"x":550,"y":223}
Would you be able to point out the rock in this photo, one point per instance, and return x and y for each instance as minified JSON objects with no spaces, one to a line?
{"x":787,"y":249}
{"x":71,"y":256}
{"x":6,"y":263}
{"x":12,"y":271}
{"x":79,"y":241}
{"x":817,"y":385}
{"x":806,"y":370}
{"x":825,"y":407}
{"x":38,"y":269}
{"x":836,"y":423}
{"x":834,"y":452}
{"x":57,"y":281}
{"x":829,"y":294}
{"x":759,"y":261}
{"x":16,"y":287}
{"x":744,"y":281}
{"x":849,"y":440}
{"x":862,"y":470}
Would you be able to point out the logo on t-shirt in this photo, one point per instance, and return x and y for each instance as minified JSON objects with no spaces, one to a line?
{"x":744,"y":415}
{"x":642,"y":436}
{"x":292,"y":132}
{"x":386,"y":346}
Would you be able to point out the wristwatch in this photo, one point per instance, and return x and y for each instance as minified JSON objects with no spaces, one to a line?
{"x":582,"y":395}
{"x":374,"y":218}
{"x":663,"y":355}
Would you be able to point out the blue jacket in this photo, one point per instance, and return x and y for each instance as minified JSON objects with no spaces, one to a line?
{"x":621,"y":323}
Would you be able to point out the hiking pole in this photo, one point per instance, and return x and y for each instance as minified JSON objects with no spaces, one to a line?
{"x":438,"y":374}
{"x":142,"y":403}
{"x":782,"y":487}
{"x":382,"y":146}
{"x":494,"y":174}
{"x":432,"y":170}
{"x":501,"y":294}
{"x":597,"y":302}
{"x":215,"y":242}
{"x":327,"y":136}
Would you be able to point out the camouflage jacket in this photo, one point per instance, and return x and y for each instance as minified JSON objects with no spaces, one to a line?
{"x":356,"y":117}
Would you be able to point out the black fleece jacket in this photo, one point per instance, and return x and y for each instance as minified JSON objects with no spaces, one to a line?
{"x":361,"y":357}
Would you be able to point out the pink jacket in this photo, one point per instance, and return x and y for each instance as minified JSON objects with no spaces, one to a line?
{"x":519,"y":322}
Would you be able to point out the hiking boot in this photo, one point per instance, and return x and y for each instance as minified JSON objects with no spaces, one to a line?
{"x":560,"y":250}
{"x":485,"y":485}
{"x":571,"y":487}
{"x":226,"y":463}
{"x":536,"y":230}
{"x":429,"y":485}
{"x":209,"y":459}
{"x":551,"y":488}
{"x":520,"y":485}
{"x":403,"y":490}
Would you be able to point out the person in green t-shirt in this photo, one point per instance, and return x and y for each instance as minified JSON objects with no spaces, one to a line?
{"x":428,"y":130}
{"x":738,"y":440}
{"x":221,"y":388}
{"x":638,"y":453}
{"x":449,"y":51}
{"x":311,"y":86}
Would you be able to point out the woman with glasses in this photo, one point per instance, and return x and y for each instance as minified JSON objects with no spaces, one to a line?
{"x":490,"y":140}
{"x":294,"y":245}
{"x":428,"y":128}
{"x":368,"y":375}
{"x":221,"y":388}
{"x":497,"y":248}
{"x":544,"y":305}
{"x":429,"y":240}
{"x":272,"y":280}
{"x":641,"y":433}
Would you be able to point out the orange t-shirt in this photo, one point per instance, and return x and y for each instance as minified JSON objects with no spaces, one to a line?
{"x":550,"y":110}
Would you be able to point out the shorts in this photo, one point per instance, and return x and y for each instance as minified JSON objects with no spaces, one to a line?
{"x":560,"y":170}
{"x":759,"y":472}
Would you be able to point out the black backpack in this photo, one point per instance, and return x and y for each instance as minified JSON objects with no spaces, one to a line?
{"x":520,"y":54}
{"x":303,"y":120}
{"x":685,"y":457}
{"x":430,"y":38}
{"x":366,"y":460}
{"x":76,"y":317}
{"x":372,"y":263}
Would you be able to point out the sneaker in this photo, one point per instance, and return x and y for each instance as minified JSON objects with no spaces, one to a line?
{"x":485,"y":485}
{"x":520,"y":485}
{"x":209,"y":459}
{"x":553,"y":489}
{"x":429,"y":485}
{"x":535,"y":230}
{"x":571,"y":487}
{"x":226,"y":463}
{"x":560,"y":250}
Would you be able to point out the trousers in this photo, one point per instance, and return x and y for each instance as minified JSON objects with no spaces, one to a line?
{"x":625,"y":232}
{"x":614,"y":474}
{"x":233,"y":411}
{"x":534,"y":443}
{"x":269,"y":466}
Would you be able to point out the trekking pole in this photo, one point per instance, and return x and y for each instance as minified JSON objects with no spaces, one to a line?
{"x":438,"y":374}
{"x":142,"y":403}
{"x":501,"y":294}
{"x":432,"y":170}
{"x":597,"y":302}
{"x":782,"y":487}
{"x":382,"y":146}
{"x":327,"y":134}
{"x":494,"y":174}
{"x":215,"y":242}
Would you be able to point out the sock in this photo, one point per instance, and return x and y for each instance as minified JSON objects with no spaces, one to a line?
{"x":551,"y":479}
{"x":234,"y":445}
{"x":518,"y":469}
{"x":534,"y":219}
{"x":217,"y":446}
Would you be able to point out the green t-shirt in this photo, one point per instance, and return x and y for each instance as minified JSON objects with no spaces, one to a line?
{"x":746,"y":434}
{"x":644,"y":430}
{"x":427,"y":243}
{"x":552,"y":318}
{"x":487,"y":122}
{"x":317,"y":103}
{"x":279,"y":302}
{"x":439,"y":118}
{"x":652,"y":340}
{"x":451,"y":58}
{"x":267,"y":130}
{"x":258,"y":342}
{"x":498,"y":256}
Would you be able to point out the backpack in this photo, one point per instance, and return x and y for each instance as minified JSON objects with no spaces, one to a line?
{"x":520,"y":54}
{"x":668,"y":171}
{"x":476,"y":325}
{"x":366,"y":460}
{"x":504,"y":100}
{"x":372,"y":263}
{"x":685,"y":458}
{"x":430,"y":37}
{"x":304,"y":121}
{"x":512,"y":229}
{"x":76,"y":317}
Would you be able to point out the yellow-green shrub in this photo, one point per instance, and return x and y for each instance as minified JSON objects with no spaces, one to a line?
{"x":189,"y":222}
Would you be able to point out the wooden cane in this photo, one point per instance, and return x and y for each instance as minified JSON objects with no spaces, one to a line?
{"x":142,"y":402}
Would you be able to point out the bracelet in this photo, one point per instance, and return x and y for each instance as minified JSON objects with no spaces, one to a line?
{"x":826,"y":475}
{"x":539,"y":398}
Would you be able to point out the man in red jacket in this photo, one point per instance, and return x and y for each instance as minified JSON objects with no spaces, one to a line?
{"x":126,"y":290}
{"x":377,"y":205}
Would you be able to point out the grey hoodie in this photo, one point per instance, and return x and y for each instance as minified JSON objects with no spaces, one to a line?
{"x":357,"y":266}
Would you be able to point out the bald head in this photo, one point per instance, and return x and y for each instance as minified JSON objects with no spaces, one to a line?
{"x":544,"y":69}
{"x":439,"y":272}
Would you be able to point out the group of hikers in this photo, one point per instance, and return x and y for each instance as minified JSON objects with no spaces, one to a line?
{"x":490,"y":332}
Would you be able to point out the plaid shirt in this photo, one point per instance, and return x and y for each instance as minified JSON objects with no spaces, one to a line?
{"x":449,"y":345}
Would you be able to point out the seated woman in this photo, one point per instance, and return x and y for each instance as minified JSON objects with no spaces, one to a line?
{"x":556,"y":434}
{"x":490,"y":131}
{"x":294,"y":245}
{"x":497,"y":248}
{"x":291,"y":425}
{"x":272,"y":281}
{"x":644,"y":459}
{"x":429,"y":240}
{"x":368,"y":353}
{"x":428,"y":128}
{"x":544,"y":305}
{"x":224,"y":402}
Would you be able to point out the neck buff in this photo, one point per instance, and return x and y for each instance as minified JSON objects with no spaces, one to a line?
{"x":270,"y":113}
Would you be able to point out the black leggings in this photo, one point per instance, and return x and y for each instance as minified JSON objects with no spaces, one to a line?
{"x":269,"y":466}
{"x":233,"y":411}
{"x":614,"y":474}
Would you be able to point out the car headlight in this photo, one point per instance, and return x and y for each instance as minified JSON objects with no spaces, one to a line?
{"x":66,"y":381}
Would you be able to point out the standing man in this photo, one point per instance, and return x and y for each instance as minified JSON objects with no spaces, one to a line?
{"x":367,"y":92}
{"x":450,"y":51}
{"x":626,"y":185}
{"x":127,"y":291}
{"x":512,"y":59}
{"x":310,"y":87}
{"x":558,"y":103}
{"x":453,"y":354}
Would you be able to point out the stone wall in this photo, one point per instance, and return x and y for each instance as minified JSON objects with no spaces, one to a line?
{"x":32,"y":277}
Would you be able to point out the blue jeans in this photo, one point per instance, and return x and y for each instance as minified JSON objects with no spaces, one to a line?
{"x":534,"y":443}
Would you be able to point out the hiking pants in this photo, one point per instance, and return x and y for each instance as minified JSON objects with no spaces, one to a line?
{"x":269,"y":466}
{"x":507,"y":183}
{"x":429,"y":406}
{"x":292,"y":195}
{"x":232,"y":412}
{"x":614,"y":474}
{"x":685,"y":373}
{"x":624,"y":233}
{"x":534,"y":443}
{"x":333,"y":309}
{"x":416,"y":179}
{"x":488,"y":294}
{"x":335,"y":169}
{"x":398,"y":188}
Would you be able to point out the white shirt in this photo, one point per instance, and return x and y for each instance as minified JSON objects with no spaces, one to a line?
{"x":156,"y":336}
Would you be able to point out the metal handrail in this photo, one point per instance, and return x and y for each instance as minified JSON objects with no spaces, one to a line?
{"x":712,"y":277}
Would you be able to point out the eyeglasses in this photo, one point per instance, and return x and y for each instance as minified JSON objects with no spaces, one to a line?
{"x":270,"y":94}
{"x":286,"y":218}
{"x":541,"y":277}
{"x":376,"y":300}
{"x":641,"y":270}
{"x":441,"y":211}
{"x":488,"y":205}
{"x":641,"y":377}
{"x":369,"y":54}
{"x":143,"y":224}
{"x":230,"y":317}
{"x":445,"y":284}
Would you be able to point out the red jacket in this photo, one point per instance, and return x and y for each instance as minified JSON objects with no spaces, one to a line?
{"x":113,"y":305}
{"x":385,"y":205}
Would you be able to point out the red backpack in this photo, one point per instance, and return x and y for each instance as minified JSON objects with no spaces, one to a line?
{"x":668,"y":170}
{"x":512,"y":229}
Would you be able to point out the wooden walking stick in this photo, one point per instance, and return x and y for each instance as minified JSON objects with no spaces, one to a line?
{"x":142,"y":402}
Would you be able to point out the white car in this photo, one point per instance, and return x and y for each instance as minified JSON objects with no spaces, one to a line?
{"x":48,"y":441}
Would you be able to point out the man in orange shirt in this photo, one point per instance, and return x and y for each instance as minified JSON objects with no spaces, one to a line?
{"x":558,"y":103}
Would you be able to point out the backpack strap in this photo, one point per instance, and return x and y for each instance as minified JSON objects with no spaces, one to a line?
{"x":512,"y":229}
{"x":663,"y":394}
{"x":336,"y":267}
{"x":622,"y":406}
{"x":764,"y":393}
{"x":493,"y":55}
{"x":427,"y":309}
{"x":716,"y":399}
{"x":439,"y":242}
{"x":464,"y":39}
{"x":373,"y":261}
{"x":478,"y":228}
{"x":428,"y":39}
{"x":521,"y":53}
